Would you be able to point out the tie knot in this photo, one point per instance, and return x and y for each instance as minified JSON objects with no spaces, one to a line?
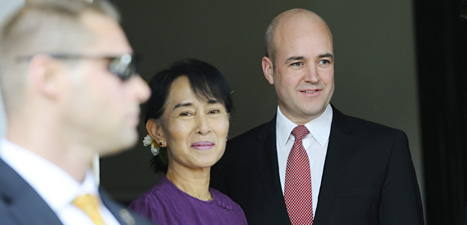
{"x":89,"y":204}
{"x":300,"y":132}
{"x":86,"y":201}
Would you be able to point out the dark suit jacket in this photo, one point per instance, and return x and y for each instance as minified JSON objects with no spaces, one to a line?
{"x":368,"y":176}
{"x":21,"y":204}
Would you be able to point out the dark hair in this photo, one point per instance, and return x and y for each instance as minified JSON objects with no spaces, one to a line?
{"x":205,"y":81}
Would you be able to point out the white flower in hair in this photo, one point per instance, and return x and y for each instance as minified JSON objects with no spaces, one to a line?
{"x":148,"y":140}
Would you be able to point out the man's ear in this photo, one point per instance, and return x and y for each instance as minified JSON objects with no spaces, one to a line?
{"x":268,"y":69}
{"x":45,"y":74}
{"x":155,"y":130}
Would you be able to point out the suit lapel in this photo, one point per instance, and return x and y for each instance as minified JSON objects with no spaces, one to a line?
{"x":340,"y":148}
{"x":268,"y":169}
{"x":23,"y":203}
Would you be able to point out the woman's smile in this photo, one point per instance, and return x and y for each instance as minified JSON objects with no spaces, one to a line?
{"x":203,"y":145}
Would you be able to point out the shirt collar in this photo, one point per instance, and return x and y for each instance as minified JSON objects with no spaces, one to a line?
{"x":52,"y":183}
{"x":320,"y":127}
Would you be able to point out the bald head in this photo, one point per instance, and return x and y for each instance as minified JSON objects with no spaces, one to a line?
{"x":292,"y":21}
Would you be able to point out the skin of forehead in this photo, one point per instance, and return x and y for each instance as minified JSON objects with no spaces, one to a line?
{"x":297,"y":21}
{"x":102,"y":26}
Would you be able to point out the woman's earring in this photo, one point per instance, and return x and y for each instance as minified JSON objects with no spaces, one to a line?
{"x":149,"y":141}
{"x":155,"y":150}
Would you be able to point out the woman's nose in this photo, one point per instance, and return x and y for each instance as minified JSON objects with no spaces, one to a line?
{"x":203,"y":125}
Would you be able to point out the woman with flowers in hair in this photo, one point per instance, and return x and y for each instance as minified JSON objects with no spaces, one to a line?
{"x":187,"y":120}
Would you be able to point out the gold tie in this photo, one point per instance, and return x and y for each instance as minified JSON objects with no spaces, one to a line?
{"x":89,"y":204}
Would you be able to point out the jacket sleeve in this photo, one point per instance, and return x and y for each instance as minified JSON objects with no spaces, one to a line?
{"x":400,"y":197}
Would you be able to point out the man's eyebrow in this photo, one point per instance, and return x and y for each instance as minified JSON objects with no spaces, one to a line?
{"x":326,"y":55}
{"x":293,"y":58}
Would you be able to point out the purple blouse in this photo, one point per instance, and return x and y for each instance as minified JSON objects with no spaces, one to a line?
{"x":165,"y":204}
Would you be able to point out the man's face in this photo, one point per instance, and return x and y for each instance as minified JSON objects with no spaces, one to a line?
{"x":303,"y":71}
{"x":101,"y":110}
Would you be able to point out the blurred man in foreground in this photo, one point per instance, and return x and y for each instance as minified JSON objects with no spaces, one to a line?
{"x":70,"y":91}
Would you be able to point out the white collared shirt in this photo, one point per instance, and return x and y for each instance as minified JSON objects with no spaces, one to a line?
{"x":55,"y":186}
{"x":315,"y":144}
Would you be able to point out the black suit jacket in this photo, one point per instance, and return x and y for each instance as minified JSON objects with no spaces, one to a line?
{"x":20,"y":204}
{"x":368,"y":176}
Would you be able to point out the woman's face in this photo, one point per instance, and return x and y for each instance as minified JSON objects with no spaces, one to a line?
{"x":195,"y":130}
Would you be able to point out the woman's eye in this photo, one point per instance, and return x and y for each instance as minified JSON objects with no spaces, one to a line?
{"x":186,"y":114}
{"x":214,"y":111}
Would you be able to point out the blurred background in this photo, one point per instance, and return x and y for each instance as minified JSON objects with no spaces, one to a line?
{"x":399,"y":63}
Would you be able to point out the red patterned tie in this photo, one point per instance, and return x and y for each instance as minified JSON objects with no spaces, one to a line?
{"x":297,"y":193}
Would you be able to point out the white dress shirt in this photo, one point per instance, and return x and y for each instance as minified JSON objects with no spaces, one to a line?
{"x":315,"y":144}
{"x":55,"y":186}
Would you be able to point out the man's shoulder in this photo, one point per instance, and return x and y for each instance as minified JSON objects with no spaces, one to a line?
{"x":10,"y":181}
{"x":362,"y":125}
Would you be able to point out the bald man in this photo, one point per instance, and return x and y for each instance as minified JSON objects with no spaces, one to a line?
{"x":311,"y":164}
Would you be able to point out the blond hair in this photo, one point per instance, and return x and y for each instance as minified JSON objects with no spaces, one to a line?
{"x":41,"y":27}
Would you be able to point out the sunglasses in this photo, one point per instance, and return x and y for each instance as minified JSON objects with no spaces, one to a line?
{"x":124,"y":66}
